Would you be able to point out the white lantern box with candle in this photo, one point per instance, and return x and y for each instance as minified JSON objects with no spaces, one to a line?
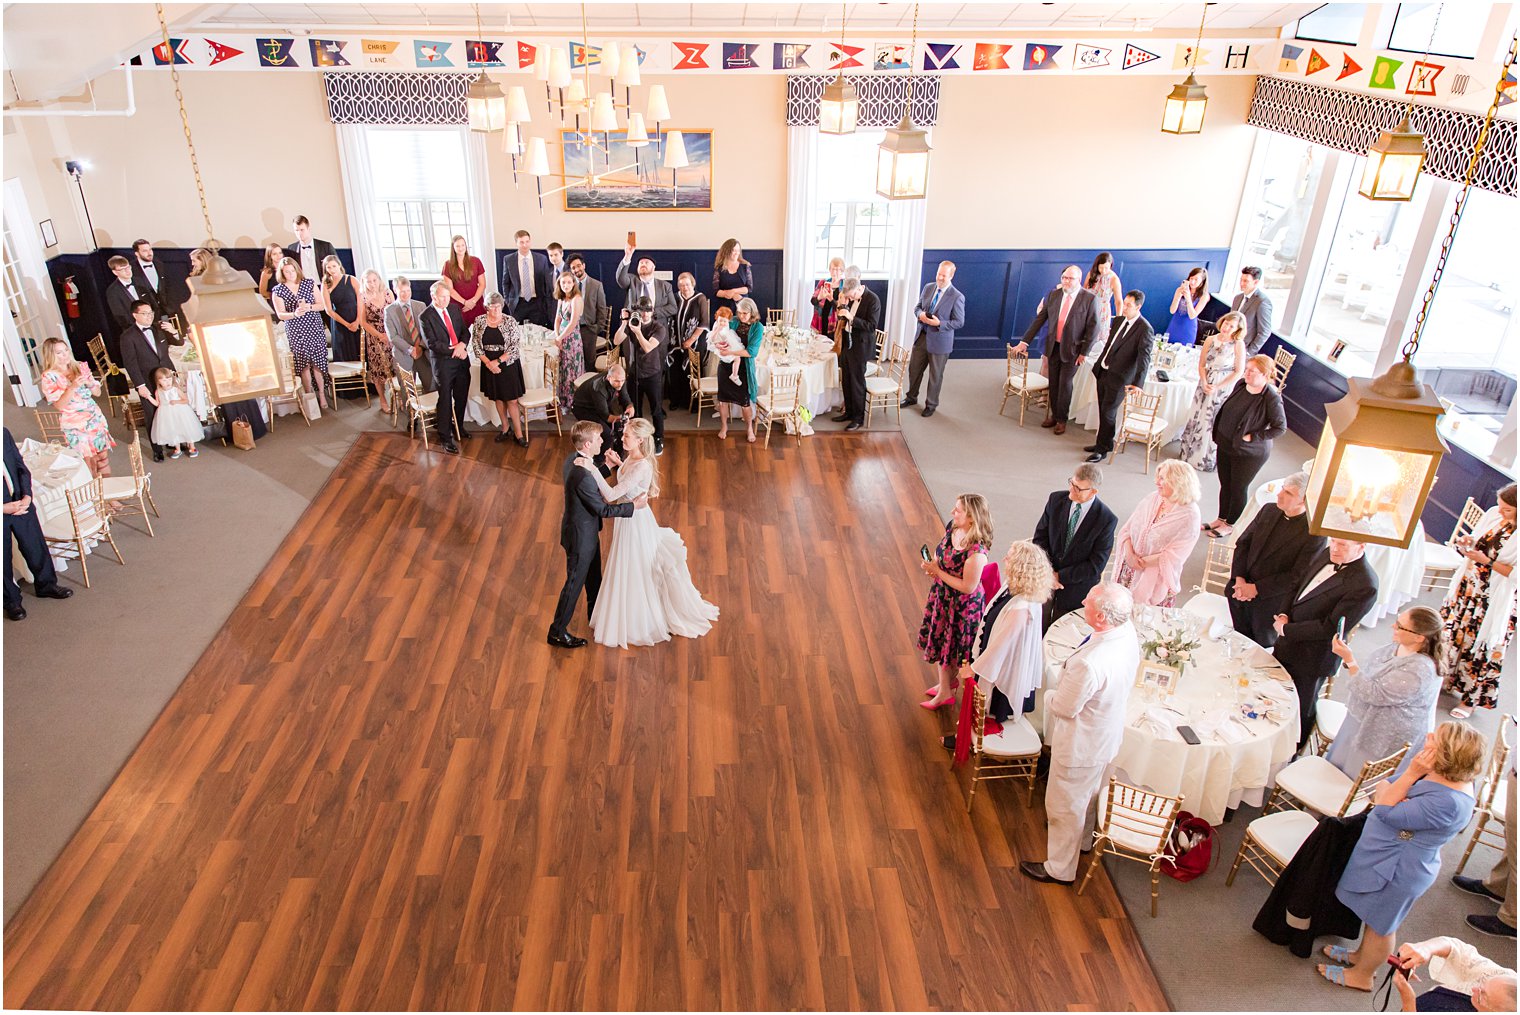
{"x":230,"y":325}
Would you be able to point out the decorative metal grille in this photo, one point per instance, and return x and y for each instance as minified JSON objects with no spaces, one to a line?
{"x":881,"y":98}
{"x":1350,"y":121}
{"x":397,"y":98}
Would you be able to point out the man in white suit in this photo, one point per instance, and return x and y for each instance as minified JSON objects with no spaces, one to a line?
{"x":1084,"y":725}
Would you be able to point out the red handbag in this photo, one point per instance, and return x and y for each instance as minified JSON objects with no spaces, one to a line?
{"x":1191,"y":847}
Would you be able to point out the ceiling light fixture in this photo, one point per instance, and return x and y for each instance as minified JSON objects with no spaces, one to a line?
{"x":484,"y":100}
{"x":840,"y":106}
{"x":1189,"y":100}
{"x":902,"y":160}
{"x":1395,"y":159}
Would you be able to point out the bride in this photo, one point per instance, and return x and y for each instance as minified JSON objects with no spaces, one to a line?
{"x":646,"y":594}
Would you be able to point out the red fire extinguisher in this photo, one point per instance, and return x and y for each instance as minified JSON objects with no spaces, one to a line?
{"x":71,"y":298}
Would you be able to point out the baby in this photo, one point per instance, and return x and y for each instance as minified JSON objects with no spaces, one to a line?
{"x":725,"y":338}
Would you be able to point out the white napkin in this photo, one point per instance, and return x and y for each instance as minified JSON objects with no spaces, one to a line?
{"x":64,"y":461}
{"x":1159,"y":721}
{"x":1220,"y":729}
{"x":30,"y":447}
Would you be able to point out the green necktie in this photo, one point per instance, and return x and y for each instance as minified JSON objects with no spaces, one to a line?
{"x":1071,"y":523}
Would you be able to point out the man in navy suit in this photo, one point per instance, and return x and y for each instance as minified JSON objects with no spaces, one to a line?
{"x":1076,"y":531}
{"x":941,"y":310}
{"x":526,"y":283}
{"x":21,"y":523}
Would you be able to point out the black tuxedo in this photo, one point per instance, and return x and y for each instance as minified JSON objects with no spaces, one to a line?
{"x":119,"y":305}
{"x":321,"y":249}
{"x":1124,"y":362}
{"x":579,"y":534}
{"x":1273,"y":553}
{"x":26,"y":529}
{"x":1076,"y":339}
{"x":451,"y":373}
{"x":1304,"y":648}
{"x":536,"y":310}
{"x":1080,"y":564}
{"x":859,"y":344}
{"x":140,"y":358}
{"x":165,"y":295}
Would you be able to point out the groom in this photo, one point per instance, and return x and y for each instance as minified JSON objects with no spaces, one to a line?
{"x":579,"y":532}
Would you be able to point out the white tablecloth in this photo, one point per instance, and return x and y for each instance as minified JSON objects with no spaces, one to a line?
{"x":1213,"y":775}
{"x":55,"y":469}
{"x":1176,"y":397}
{"x":1398,"y":570}
{"x":818,"y":388}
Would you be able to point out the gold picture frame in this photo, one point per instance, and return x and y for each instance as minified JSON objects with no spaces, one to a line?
{"x":637,"y":181}
{"x":1159,"y":676}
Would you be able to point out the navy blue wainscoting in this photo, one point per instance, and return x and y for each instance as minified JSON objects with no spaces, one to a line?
{"x":1004,"y":287}
{"x":1313,"y":384}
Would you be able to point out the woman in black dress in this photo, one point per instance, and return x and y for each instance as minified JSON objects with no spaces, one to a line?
{"x":732,"y":278}
{"x":343,"y":307}
{"x":498,"y":343}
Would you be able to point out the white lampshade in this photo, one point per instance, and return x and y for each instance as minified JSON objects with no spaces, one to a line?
{"x":638,"y":136}
{"x":511,"y":139}
{"x":559,"y":69}
{"x":537,"y":163}
{"x":628,"y":67}
{"x":603,"y":116}
{"x":575,"y":95}
{"x":610,"y":61}
{"x":659,"y":107}
{"x":517,"y":105}
{"x":541,"y":64}
{"x":675,"y":151}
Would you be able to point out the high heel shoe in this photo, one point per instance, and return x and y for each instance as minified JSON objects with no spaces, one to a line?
{"x":932,"y":707}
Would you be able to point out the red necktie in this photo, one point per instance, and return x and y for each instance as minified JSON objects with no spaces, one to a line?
{"x":1061,"y":322}
{"x":453,"y":339}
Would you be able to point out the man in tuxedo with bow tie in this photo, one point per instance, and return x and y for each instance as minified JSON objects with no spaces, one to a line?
{"x":1084,"y":726}
{"x":151,"y":280}
{"x":1120,"y":369}
{"x":307,"y":251}
{"x":144,"y":350}
{"x":1076,"y":531}
{"x":1333,"y":595}
{"x":941,"y":310}
{"x":1256,"y":307}
{"x":1072,"y":313}
{"x":448,"y":344}
{"x":123,"y":291}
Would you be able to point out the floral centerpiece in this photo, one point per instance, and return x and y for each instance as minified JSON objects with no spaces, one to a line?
{"x":1171,"y":648}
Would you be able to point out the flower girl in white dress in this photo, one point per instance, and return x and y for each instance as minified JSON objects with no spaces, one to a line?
{"x":647,"y":594}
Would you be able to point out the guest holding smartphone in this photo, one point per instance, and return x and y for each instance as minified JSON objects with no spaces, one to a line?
{"x":1188,"y":301}
{"x":947,"y":637}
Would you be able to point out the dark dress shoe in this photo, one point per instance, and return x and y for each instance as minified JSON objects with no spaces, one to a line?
{"x":566,"y":641}
{"x":927,"y":413}
{"x":948,"y":743}
{"x":54,"y":592}
{"x":1035,"y":870}
{"x":15,"y":613}
{"x":523,"y":440}
{"x":907,"y":402}
{"x":1060,"y":429}
{"x":1490,"y":925}
{"x":464,"y":434}
{"x":1474,"y":886}
{"x":854,"y":426}
{"x":1095,"y":457}
{"x":158,"y":455}
{"x":841,"y":418}
{"x":1091,"y":447}
{"x":659,"y":448}
{"x":501,"y":438}
{"x":1048,"y":422}
{"x":451,"y":448}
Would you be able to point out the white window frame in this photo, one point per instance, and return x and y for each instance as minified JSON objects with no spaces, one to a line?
{"x":849,"y":250}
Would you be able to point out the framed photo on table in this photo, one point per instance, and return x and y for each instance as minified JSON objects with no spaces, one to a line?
{"x":1165,"y":359}
{"x":1158,"y":676}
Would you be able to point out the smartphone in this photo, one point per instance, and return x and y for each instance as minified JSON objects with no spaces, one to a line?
{"x":923,"y":551}
{"x":1187,"y":734}
{"x":1340,"y":629}
{"x":633,"y":238}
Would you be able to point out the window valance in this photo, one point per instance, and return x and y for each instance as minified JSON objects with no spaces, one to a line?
{"x":881,"y":98}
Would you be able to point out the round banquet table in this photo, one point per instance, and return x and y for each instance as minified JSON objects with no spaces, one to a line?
{"x":1398,"y":570}
{"x":536,"y":343}
{"x":1176,"y":395}
{"x":1238,"y":757}
{"x":818,"y":387}
{"x":55,"y":469}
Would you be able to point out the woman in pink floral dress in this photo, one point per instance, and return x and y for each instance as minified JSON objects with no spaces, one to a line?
{"x":953,"y":613}
{"x":68,"y":386}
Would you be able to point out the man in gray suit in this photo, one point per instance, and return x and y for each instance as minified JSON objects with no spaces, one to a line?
{"x":1072,"y":314}
{"x":1257,"y":308}
{"x":644,"y":283}
{"x":593,"y":307}
{"x":403,"y":328}
{"x":941,"y":310}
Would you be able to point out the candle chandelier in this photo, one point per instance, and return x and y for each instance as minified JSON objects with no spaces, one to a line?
{"x":575,"y":102}
{"x":1380,"y":448}
{"x":840,"y":106}
{"x":902,"y":160}
{"x":1186,"y":105}
{"x":1395,"y":159}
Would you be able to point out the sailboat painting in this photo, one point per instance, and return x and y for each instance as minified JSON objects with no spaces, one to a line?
{"x":625,"y":178}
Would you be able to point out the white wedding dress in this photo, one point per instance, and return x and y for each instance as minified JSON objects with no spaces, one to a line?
{"x":647,"y":594}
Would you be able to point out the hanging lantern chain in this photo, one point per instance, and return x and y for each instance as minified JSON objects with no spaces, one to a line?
{"x":1456,"y":213}
{"x":1193,"y":63}
{"x":184,"y":119}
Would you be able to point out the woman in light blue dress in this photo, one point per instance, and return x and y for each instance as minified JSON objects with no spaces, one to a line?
{"x":1399,"y":854}
{"x":1391,"y":701}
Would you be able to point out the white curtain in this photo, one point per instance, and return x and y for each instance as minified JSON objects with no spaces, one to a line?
{"x":359,"y":194}
{"x":797,"y":260}
{"x":482,"y":224}
{"x":905,"y":270}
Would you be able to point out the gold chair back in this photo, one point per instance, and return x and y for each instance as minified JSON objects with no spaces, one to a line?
{"x":1281,"y":365}
{"x":51,"y":425}
{"x":1372,"y":773}
{"x":1216,"y":566}
{"x":1132,"y":816}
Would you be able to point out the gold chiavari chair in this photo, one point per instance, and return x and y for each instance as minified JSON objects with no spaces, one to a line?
{"x":884,"y":390}
{"x":545,"y":398}
{"x":421,"y":408}
{"x":785,"y":318}
{"x":781,"y":402}
{"x":87,"y":520}
{"x":1141,"y":422}
{"x":1280,"y":367}
{"x":348,"y":375}
{"x":1443,"y":561}
{"x":1012,"y":754}
{"x":1030,"y":389}
{"x":1493,"y":795}
{"x":51,"y":425}
{"x":1135,"y":824}
{"x":704,"y":390}
{"x":120,"y":491}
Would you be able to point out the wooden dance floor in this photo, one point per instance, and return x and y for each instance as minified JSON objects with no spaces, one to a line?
{"x":380,"y":789}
